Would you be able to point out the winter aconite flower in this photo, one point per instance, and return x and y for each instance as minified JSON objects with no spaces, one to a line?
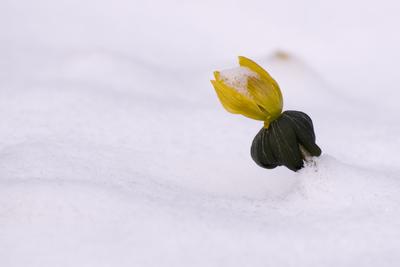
{"x":249,"y":90}
{"x":287,"y":138}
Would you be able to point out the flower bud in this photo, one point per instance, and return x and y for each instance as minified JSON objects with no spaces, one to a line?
{"x":287,"y":138}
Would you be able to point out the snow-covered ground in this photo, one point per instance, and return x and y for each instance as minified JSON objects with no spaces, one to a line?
{"x":114,"y":149}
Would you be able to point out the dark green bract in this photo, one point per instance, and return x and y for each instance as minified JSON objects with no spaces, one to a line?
{"x":287,"y":141}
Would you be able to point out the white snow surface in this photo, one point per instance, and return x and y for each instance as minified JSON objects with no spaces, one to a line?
{"x":114,"y":149}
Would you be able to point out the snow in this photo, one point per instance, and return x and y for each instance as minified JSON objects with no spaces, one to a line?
{"x":237,"y":78}
{"x":115,"y":151}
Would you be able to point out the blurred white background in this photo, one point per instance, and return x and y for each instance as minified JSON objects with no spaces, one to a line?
{"x":353,"y":43}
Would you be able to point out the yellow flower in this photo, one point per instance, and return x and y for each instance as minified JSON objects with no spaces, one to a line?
{"x":249,"y":90}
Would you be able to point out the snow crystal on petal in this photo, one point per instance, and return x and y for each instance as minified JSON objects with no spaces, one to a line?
{"x":237,"y":78}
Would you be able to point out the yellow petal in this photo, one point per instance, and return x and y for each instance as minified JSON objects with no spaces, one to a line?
{"x":265,"y":96}
{"x":237,"y":103}
{"x":264,"y":75}
{"x":217,"y":76}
